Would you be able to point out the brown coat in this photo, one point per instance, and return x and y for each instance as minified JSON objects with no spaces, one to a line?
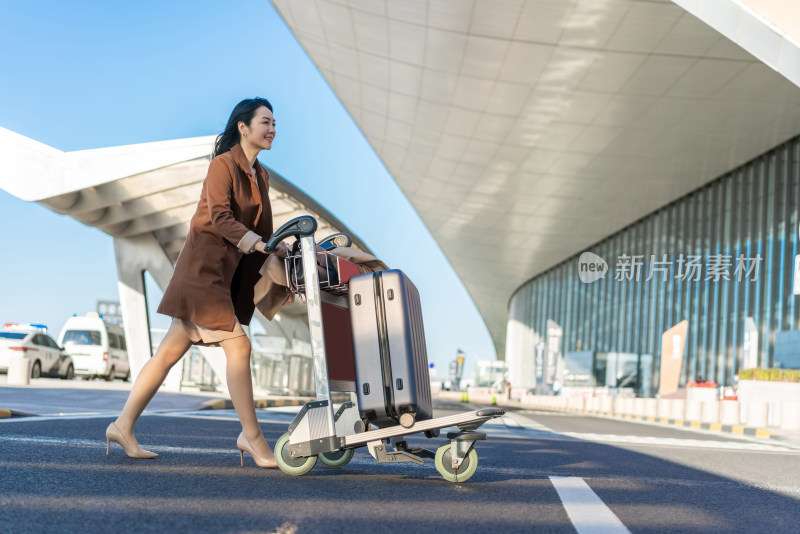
{"x":213,"y":281}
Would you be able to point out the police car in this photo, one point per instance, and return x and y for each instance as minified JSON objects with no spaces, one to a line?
{"x":31,"y":341}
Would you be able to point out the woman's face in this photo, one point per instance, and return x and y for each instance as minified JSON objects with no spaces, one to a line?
{"x":261,"y":130}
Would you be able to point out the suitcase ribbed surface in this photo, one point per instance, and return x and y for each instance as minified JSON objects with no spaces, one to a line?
{"x":389,"y":343}
{"x":417,"y":342}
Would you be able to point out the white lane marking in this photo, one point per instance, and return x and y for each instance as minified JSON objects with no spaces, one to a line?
{"x":527,"y":422}
{"x":510,"y":422}
{"x":588,"y":513}
{"x":37,"y":419}
{"x":219,"y":415}
{"x":505,"y":421}
{"x":214,"y":415}
{"x":102,"y":443}
{"x":290,"y":409}
{"x":495,"y":422}
{"x":81,"y":415}
{"x":681,"y":442}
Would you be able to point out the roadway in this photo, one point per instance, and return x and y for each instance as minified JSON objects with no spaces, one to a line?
{"x":538,"y":472}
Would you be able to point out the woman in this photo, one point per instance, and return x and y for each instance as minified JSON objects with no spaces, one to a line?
{"x":210,"y":294}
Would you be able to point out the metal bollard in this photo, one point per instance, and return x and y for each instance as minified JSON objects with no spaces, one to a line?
{"x":19,"y":372}
{"x":790,"y":415}
{"x":650,"y":407}
{"x":627,"y":405}
{"x":664,"y":406}
{"x":729,"y":412}
{"x":693,"y":410}
{"x":678,"y":409}
{"x":757,"y":413}
{"x":638,"y":407}
{"x":710,"y":411}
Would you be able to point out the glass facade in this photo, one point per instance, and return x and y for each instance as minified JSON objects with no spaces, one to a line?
{"x":715,"y":257}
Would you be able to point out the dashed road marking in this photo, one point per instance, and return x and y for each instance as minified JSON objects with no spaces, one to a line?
{"x":588,"y":513}
{"x":97,"y":443}
{"x":533,"y":424}
{"x":510,"y":422}
{"x":683,"y":442}
{"x":65,"y":417}
{"x":264,"y":416}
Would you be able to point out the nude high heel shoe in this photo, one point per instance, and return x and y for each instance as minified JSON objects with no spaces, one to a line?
{"x":244,"y":446}
{"x":114,"y":434}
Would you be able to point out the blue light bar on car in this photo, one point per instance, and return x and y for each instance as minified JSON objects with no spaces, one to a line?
{"x":26,"y":326}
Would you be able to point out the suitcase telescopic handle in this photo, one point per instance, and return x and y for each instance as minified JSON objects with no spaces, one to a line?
{"x":302,"y":226}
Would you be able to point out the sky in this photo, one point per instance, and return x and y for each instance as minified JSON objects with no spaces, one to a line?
{"x":84,"y":74}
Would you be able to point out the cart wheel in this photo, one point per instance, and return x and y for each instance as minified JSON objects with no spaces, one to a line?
{"x":289,"y":465}
{"x":336,"y":459}
{"x":444,"y":464}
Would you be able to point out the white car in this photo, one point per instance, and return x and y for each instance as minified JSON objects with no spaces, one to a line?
{"x":32,"y":343}
{"x":96,"y":346}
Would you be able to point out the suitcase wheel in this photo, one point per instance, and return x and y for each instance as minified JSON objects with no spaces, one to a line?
{"x":287,"y":463}
{"x":336,"y":459}
{"x":407,"y":420}
{"x":444,"y":464}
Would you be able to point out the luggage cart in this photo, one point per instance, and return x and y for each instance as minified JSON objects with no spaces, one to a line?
{"x":319,"y":433}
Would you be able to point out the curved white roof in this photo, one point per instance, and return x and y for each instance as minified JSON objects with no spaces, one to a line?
{"x":525,"y":131}
{"x":130,"y":190}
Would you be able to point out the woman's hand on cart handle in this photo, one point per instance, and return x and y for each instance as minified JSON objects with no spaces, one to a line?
{"x":281,"y":250}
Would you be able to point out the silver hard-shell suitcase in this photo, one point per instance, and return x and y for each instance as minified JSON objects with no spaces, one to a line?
{"x":392,"y":377}
{"x":390,"y":341}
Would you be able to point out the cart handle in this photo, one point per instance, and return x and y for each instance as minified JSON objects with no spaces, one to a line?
{"x":302,"y":226}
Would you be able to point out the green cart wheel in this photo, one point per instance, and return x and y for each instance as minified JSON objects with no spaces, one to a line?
{"x":288,"y":464}
{"x":444,"y":464}
{"x":336,"y":459}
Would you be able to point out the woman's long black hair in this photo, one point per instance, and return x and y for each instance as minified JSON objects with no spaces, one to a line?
{"x":243,"y":112}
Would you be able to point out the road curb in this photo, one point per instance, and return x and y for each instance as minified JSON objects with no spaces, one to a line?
{"x":740,"y":430}
{"x":227,"y":404}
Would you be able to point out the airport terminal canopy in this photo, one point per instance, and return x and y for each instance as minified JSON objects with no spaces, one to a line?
{"x":526,"y":131}
{"x":134,"y":190}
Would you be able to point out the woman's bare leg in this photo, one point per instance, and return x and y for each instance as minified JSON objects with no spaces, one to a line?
{"x":240,"y":388}
{"x":169,"y":352}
